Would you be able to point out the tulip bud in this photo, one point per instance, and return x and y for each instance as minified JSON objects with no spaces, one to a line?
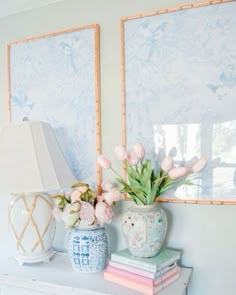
{"x":104,"y":162}
{"x":167,"y":164}
{"x":120,"y":152}
{"x":132,"y":158}
{"x":139,"y":150}
{"x":178,"y":172}
{"x":199,"y":165}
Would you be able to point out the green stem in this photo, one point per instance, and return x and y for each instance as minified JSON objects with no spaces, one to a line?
{"x":116,"y":172}
{"x":126,"y":183}
{"x":161,"y":178}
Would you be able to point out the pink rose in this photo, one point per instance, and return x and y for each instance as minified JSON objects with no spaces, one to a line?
{"x":70,"y":214}
{"x":67,"y":196}
{"x":167,"y":164}
{"x":120,"y":152}
{"x":178,"y":172}
{"x":86,"y":214}
{"x":139,"y":150}
{"x":82,"y":189}
{"x":103,"y":212}
{"x":75,"y":196}
{"x":112,"y":196}
{"x":199,"y":165}
{"x":100,"y":198}
{"x":132,"y":158}
{"x":104,"y":162}
{"x":106,"y":186}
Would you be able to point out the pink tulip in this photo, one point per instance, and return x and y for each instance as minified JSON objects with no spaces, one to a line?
{"x":132,"y":158}
{"x":193,"y":161}
{"x":112,"y":196}
{"x":178,"y":172}
{"x":104,"y":162}
{"x":86,"y":214}
{"x":167,"y":164}
{"x":103,"y":212}
{"x":199,"y":165}
{"x":139,"y":150}
{"x":75,"y":196}
{"x":120,"y":153}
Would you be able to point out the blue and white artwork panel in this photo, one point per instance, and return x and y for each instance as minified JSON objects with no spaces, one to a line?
{"x":52,"y":79}
{"x":180,"y":86}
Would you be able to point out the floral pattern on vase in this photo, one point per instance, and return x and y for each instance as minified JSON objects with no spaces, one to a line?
{"x":144,"y":227}
{"x":88,"y":248}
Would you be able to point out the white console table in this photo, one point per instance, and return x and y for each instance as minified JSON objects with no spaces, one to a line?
{"x":58,"y":278}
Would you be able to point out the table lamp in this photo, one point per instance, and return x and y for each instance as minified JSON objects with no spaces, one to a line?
{"x":31,"y":164}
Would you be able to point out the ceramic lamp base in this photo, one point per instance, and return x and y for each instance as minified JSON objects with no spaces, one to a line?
{"x":32,"y":226}
{"x":44,"y":257}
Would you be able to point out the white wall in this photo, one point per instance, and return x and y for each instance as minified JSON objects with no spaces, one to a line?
{"x":205,"y":233}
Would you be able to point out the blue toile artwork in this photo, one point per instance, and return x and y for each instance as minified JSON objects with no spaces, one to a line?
{"x":180,"y":92}
{"x":53,"y":79}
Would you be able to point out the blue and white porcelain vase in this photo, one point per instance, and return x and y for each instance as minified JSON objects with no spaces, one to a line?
{"x":88,"y":248}
{"x":144,"y":228}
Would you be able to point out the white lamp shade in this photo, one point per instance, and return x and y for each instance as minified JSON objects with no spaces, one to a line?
{"x":31,"y":159}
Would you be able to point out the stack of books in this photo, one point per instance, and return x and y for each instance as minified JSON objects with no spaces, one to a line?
{"x":146,"y":275}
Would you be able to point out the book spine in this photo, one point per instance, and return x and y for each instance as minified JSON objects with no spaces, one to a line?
{"x":127,"y":283}
{"x":167,"y":276}
{"x":139,"y":264}
{"x":135,"y":270}
{"x":165,"y":270}
{"x":138,"y":286}
{"x":140,"y":279}
{"x":166,"y":283}
{"x":130,"y":275}
{"x":142,"y":272}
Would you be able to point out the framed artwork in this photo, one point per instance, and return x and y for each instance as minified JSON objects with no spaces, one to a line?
{"x":55,"y":78}
{"x":178,"y":93}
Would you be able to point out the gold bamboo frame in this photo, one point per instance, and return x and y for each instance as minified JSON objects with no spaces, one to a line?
{"x":123,"y":93}
{"x":97,"y":81}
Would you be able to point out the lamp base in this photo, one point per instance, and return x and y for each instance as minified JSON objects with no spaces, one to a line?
{"x":43,"y":257}
{"x":33,"y":227}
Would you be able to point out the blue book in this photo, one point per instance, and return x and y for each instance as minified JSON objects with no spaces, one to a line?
{"x":154,"y":264}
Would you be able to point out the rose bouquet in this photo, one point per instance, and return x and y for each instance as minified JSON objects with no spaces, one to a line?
{"x":82,"y":206}
{"x":144,"y":184}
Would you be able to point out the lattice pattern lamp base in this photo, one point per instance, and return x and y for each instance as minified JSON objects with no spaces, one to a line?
{"x":33,"y":227}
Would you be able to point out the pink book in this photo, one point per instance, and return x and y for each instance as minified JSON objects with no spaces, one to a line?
{"x":138,"y":286}
{"x":141,"y":272}
{"x":140,"y":278}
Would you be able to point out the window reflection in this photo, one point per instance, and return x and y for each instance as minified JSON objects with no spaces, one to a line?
{"x":216,"y":142}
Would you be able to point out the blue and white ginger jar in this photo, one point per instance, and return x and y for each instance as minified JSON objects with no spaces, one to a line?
{"x":88,"y":248}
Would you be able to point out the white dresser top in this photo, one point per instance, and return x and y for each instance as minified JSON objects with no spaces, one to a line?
{"x":59,"y":278}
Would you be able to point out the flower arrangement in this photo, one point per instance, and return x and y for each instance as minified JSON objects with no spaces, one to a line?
{"x":145,"y":184}
{"x":83,"y":207}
